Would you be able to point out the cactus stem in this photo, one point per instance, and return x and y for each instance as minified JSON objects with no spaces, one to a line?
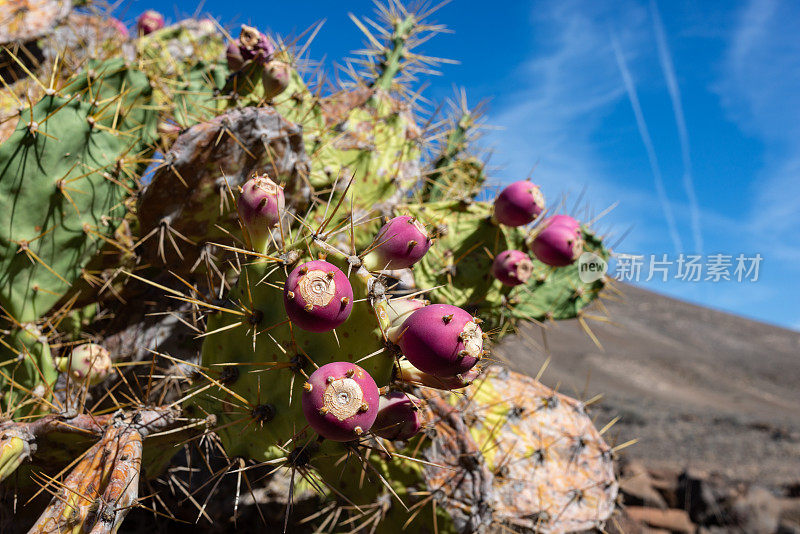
{"x":392,"y":60}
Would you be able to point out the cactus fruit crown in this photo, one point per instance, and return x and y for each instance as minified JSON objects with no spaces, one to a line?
{"x":326,"y":256}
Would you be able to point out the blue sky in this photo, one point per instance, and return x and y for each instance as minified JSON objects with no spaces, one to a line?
{"x":685,"y":113}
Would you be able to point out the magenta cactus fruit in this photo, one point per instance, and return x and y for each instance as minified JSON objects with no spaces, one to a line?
{"x":120,"y":26}
{"x":318,"y":296}
{"x":399,"y":417}
{"x":518,"y":204}
{"x":254,"y":45}
{"x":88,"y":362}
{"x":234,"y":56}
{"x":442,"y":340}
{"x":275,"y":78}
{"x":563,"y":220}
{"x":340,"y":401}
{"x":398,"y":311}
{"x":557,"y":245}
{"x":407,"y":374}
{"x":512,"y":267}
{"x":149,"y":22}
{"x":401,"y":243}
{"x":260,"y":206}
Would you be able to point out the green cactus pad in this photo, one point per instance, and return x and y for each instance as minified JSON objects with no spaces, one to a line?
{"x":460,"y":260}
{"x":63,"y":182}
{"x":556,"y":293}
{"x":260,"y":381}
{"x":459,"y":265}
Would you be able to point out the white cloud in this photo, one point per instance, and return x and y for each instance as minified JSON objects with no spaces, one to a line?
{"x":760,"y":90}
{"x":668,"y":68}
{"x":552,"y":116}
{"x":644,"y":133}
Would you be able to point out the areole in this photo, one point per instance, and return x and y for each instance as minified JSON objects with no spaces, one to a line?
{"x":343,"y":398}
{"x":524,"y":269}
{"x":317,"y":288}
{"x":472,"y":337}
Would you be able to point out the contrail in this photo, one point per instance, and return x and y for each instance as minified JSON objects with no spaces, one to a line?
{"x":668,"y":68}
{"x":648,"y":145}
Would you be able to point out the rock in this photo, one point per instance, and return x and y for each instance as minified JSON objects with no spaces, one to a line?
{"x":790,"y":510}
{"x":665,"y":482}
{"x":622,"y":523}
{"x":671,"y":520}
{"x":757,"y":511}
{"x":696,"y":495}
{"x":637,"y":486}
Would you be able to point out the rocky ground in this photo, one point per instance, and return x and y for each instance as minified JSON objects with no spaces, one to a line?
{"x":713,"y":400}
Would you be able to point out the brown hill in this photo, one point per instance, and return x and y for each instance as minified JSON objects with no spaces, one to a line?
{"x":698,"y":387}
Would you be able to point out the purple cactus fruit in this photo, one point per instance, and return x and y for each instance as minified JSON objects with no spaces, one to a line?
{"x":317,"y":296}
{"x":401,"y":243}
{"x":441,"y":339}
{"x":340,"y":401}
{"x":512,"y":267}
{"x":118,"y":25}
{"x":260,"y":206}
{"x":408,"y":374}
{"x":88,"y":362}
{"x":399,"y":417}
{"x":518,"y":204}
{"x":252,"y":45}
{"x":563,"y":220}
{"x":275,"y":78}
{"x":557,"y":245}
{"x":398,"y":311}
{"x":149,"y":21}
{"x":234,"y":56}
{"x":255,"y":46}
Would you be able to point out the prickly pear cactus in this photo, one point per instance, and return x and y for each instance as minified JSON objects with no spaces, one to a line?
{"x":63,"y":175}
{"x":301,"y":283}
{"x":544,"y":451}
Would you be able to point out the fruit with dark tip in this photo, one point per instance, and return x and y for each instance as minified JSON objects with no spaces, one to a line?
{"x":399,"y":417}
{"x":442,"y":340}
{"x":260,"y":206}
{"x":149,"y":21}
{"x":518,"y":204}
{"x":318,"y":296}
{"x":251,"y":45}
{"x":254,"y":45}
{"x":557,"y":245}
{"x":401,"y":243}
{"x":340,"y":401}
{"x":512,"y":267}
